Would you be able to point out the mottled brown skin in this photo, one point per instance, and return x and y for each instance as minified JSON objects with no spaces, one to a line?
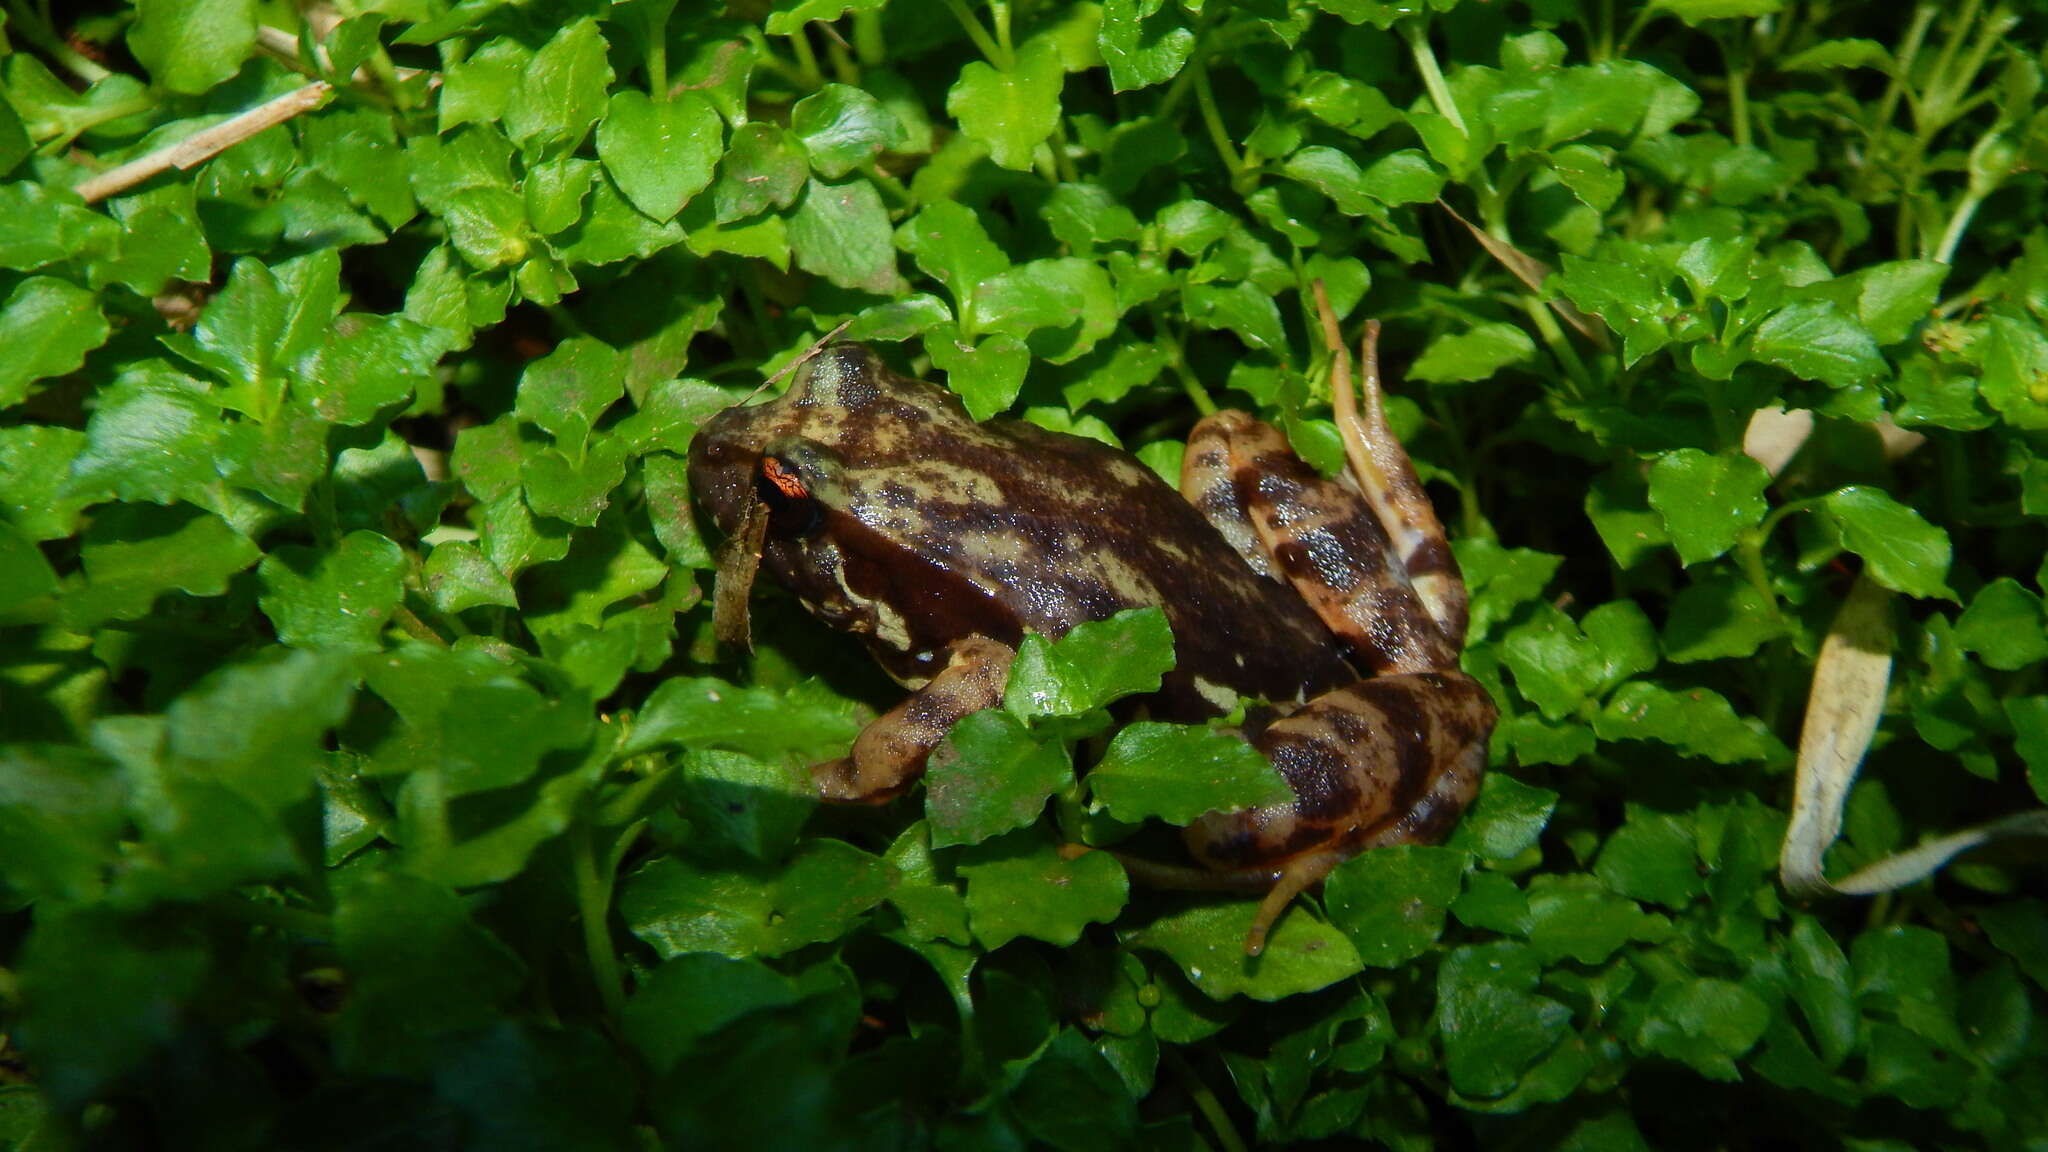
{"x":941,"y":542}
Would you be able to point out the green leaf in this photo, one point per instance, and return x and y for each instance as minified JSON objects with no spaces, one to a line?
{"x":562,"y":92}
{"x":989,"y":777}
{"x":843,"y":128}
{"x":1652,"y":857}
{"x":2012,"y":353}
{"x":1576,"y":917}
{"x":459,"y":578}
{"x":1719,"y":616}
{"x":1021,"y":885}
{"x":841,"y":232}
{"x":46,"y":328}
{"x":1087,"y":216}
{"x":1506,"y":820}
{"x":1696,"y":721}
{"x":62,"y":812}
{"x":949,"y":243}
{"x":1820,"y":986}
{"x":1095,"y":663}
{"x":134,"y":553}
{"x":258,"y":727}
{"x":110,"y":991}
{"x":2029,"y":718}
{"x":1493,"y":1025}
{"x":1852,"y":53}
{"x":763,"y":166}
{"x":1903,"y":551}
{"x":1475,"y":354}
{"x":679,"y":907}
{"x":2019,"y":928}
{"x":2005,"y":625}
{"x":1060,"y":307}
{"x":1206,"y":940}
{"x":1391,"y":901}
{"x":1707,"y":501}
{"x":1178,"y":774}
{"x":1144,"y":42}
{"x":1705,"y":1023}
{"x":1012,"y":110}
{"x":986,"y":376}
{"x":739,"y":804}
{"x":337,"y":598}
{"x":1241,"y":308}
{"x":805,"y":723}
{"x":1694,"y":11}
{"x":660,"y":155}
{"x":38,"y":228}
{"x":1404,"y":177}
{"x":369,"y":364}
{"x":419,"y":965}
{"x":191,"y":45}
{"x":1556,"y":667}
{"x":1816,"y":340}
{"x":566,"y":391}
{"x":1072,"y":1099}
{"x":37,"y":459}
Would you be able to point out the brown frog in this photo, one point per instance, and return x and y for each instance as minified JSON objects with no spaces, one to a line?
{"x":941,"y":542}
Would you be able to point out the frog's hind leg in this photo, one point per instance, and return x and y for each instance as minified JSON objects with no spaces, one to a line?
{"x":1391,"y":760}
{"x":1319,"y":534}
{"x":892,"y":750}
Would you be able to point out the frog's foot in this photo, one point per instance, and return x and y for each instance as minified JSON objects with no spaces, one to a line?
{"x":892,"y":750}
{"x":1300,"y":874}
{"x":1385,"y":475}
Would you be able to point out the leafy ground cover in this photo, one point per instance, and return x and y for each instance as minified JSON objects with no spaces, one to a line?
{"x":371,"y":776}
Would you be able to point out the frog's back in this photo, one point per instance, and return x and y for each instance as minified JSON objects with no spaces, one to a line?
{"x":1059,"y":530}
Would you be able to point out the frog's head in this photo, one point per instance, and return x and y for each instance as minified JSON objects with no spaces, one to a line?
{"x":792,"y":452}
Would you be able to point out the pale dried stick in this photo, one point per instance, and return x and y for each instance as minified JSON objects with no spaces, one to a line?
{"x":206,"y":144}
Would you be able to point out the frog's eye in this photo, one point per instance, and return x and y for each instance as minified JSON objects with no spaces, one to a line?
{"x":792,"y":509}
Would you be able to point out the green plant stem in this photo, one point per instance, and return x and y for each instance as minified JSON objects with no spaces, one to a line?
{"x":999,"y":12}
{"x":1738,"y":105}
{"x":868,"y":45}
{"x":806,"y":59}
{"x":1932,"y":111}
{"x":415,"y":627}
{"x":657,"y":64}
{"x":844,"y":69}
{"x":593,"y":905}
{"x":1212,"y":120}
{"x":1197,"y":395}
{"x":1062,"y":154}
{"x":1417,"y":36}
{"x":29,"y":25}
{"x":983,"y":43}
{"x":1908,"y":51}
{"x":1205,"y":1100}
{"x":1560,"y":345}
{"x":1958,"y":223}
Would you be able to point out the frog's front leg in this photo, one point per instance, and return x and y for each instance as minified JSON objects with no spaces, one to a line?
{"x":891,"y":751}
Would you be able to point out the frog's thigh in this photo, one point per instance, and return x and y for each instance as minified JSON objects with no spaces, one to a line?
{"x":891,"y":751}
{"x":1320,"y":535}
{"x":1219,"y":448}
{"x":1391,"y":760}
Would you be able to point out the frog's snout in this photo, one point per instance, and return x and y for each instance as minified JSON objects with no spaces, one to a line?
{"x":721,"y":467}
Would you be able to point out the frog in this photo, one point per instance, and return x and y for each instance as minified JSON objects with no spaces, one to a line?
{"x":1329,"y":608}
